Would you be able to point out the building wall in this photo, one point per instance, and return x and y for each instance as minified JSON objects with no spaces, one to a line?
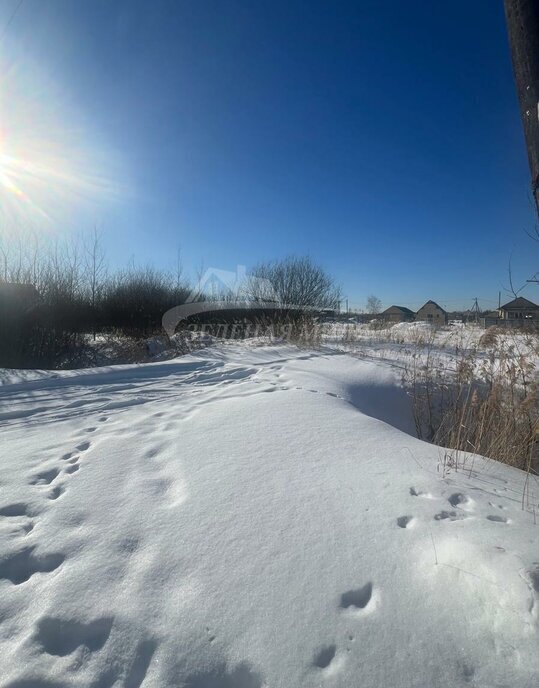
{"x":397,"y":316}
{"x":524,"y":314}
{"x":432,"y":314}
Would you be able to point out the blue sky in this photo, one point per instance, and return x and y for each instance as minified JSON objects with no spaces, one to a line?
{"x":383,"y":139}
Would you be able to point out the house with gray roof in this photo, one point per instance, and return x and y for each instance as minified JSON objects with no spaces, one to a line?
{"x":396,"y":314}
{"x":519,"y":311}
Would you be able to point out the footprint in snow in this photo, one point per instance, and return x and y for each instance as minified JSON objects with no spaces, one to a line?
{"x":497,"y":519}
{"x":534,"y":577}
{"x":405,"y":521}
{"x":357,"y":599}
{"x":325,"y":656}
{"x":242,"y":676}
{"x":56,"y":492}
{"x":16,"y":509}
{"x":22,"y":565}
{"x":83,"y":446}
{"x":449,"y":516}
{"x":45,"y":477}
{"x":419,"y":493}
{"x":460,"y":500}
{"x":61,"y":637}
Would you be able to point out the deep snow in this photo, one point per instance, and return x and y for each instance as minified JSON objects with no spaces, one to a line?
{"x":249,"y":517}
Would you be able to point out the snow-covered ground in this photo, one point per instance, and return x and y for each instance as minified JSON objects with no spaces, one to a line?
{"x":406,"y":345}
{"x":253,"y":517}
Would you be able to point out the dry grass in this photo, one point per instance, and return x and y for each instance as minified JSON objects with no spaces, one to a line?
{"x":488,"y":405}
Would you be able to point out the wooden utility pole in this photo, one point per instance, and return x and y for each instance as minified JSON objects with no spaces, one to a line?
{"x":523,"y":28}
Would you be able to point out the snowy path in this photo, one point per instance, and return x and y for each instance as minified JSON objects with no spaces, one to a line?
{"x":253,"y":517}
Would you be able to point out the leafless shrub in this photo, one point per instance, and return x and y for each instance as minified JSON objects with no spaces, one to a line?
{"x":75,"y":296}
{"x":296,"y":282}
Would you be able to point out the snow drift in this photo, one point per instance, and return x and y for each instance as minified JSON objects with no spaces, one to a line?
{"x":251,"y":517}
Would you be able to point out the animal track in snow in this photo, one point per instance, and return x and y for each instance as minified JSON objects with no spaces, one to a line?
{"x":56,"y":492}
{"x":497,"y":519}
{"x":358,"y":599}
{"x":419,"y":493}
{"x":61,"y":637}
{"x":139,"y":668}
{"x":83,"y":446}
{"x":449,"y":516}
{"x":34,"y":683}
{"x":45,"y":477}
{"x":242,"y":676}
{"x":499,"y":506}
{"x":405,"y":521}
{"x":211,"y":636}
{"x":128,"y":545}
{"x":72,"y":469}
{"x":534,"y":578}
{"x":22,"y":565}
{"x":458,"y":500}
{"x":16,"y":509}
{"x":325,"y":656}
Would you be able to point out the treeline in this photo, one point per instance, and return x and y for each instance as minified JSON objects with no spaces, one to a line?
{"x":55,"y":298}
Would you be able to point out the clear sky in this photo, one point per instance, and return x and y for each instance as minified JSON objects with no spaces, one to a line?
{"x":383,"y":139}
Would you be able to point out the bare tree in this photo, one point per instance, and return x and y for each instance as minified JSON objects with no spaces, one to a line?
{"x":179,"y":269}
{"x":374,"y":305}
{"x":95,"y":269}
{"x":294,"y":282}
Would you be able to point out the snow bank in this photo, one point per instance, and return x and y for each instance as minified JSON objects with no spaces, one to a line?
{"x":244,"y":518}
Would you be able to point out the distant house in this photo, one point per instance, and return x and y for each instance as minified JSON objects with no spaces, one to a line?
{"x":432,"y":313}
{"x":520,"y":311}
{"x":490,"y":319}
{"x":398,"y":314}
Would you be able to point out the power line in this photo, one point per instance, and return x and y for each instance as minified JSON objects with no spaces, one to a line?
{"x":475,"y":310}
{"x":9,"y":21}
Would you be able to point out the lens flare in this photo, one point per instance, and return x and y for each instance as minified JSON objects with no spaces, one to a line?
{"x":53,"y":169}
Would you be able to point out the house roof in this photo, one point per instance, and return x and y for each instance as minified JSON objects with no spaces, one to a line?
{"x":432,"y":303}
{"x":520,"y":303}
{"x":16,"y":290}
{"x":399,"y":309}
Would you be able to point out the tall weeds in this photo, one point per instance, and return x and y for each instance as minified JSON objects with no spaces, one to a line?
{"x":486,"y":403}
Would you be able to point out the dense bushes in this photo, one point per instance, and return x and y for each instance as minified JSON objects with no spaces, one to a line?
{"x":54,"y":299}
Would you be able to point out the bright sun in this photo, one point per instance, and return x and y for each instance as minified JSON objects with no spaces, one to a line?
{"x":51,"y":170}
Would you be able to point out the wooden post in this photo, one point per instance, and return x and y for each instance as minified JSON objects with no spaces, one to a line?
{"x":523,"y":28}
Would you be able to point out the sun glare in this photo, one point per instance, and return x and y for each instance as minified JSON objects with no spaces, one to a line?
{"x":51,"y":170}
